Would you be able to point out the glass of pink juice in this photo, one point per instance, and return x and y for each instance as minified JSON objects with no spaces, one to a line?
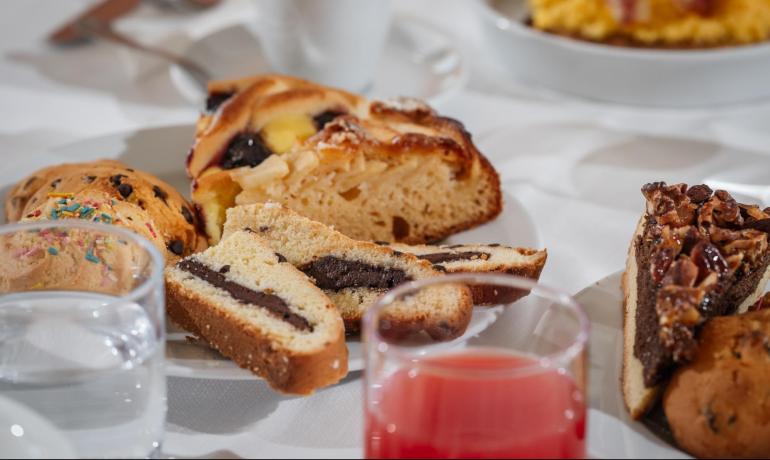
{"x":516,"y":390}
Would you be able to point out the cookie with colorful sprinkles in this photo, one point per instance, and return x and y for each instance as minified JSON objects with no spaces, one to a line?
{"x":110,"y":192}
{"x":49,"y":259}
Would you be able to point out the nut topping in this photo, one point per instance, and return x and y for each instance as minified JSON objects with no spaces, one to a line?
{"x":699,"y":237}
{"x":669,"y":204}
{"x":708,"y":259}
{"x":699,"y":193}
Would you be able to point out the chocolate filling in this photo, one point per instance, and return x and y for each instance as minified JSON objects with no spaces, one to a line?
{"x":246,"y":149}
{"x":648,"y":348}
{"x":216,"y":99}
{"x":270,"y":302}
{"x":444,"y":257}
{"x":334,"y":274}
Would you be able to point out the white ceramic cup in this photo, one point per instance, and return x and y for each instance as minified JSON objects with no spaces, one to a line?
{"x":332,"y":42}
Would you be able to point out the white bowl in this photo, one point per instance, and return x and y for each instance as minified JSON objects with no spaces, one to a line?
{"x":662,"y":78}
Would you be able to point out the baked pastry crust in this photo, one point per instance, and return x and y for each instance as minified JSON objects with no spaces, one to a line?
{"x":637,"y":397}
{"x":254,"y":351}
{"x":376,"y":170}
{"x":482,"y":258}
{"x":114,"y":193}
{"x":292,"y":359}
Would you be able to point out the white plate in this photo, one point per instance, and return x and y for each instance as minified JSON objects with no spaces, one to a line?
{"x":513,"y":227}
{"x":648,"y":77}
{"x":162,"y":151}
{"x":419,"y":60}
{"x":612,"y":433}
{"x":192,"y":359}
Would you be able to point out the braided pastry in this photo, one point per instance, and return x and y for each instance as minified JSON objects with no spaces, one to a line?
{"x":375,"y":170}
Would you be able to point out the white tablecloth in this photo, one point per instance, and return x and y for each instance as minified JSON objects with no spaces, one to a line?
{"x":576,"y":166}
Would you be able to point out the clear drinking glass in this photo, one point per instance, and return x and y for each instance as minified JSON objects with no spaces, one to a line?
{"x":516,"y":390}
{"x":82,"y":334}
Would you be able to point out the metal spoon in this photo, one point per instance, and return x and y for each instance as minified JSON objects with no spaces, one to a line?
{"x":94,"y":27}
{"x":184,"y":6}
{"x":96,"y":22}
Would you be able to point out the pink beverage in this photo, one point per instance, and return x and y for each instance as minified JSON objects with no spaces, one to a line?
{"x":424,"y":413}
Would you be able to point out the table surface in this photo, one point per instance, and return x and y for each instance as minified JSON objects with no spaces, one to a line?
{"x":577,"y":167}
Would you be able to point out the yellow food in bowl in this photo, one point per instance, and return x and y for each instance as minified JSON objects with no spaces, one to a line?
{"x":656,"y":23}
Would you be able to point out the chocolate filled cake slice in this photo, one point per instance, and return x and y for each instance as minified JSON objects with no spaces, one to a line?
{"x":261,"y":312}
{"x":355,"y":273}
{"x":481,"y":258}
{"x":695,"y":254}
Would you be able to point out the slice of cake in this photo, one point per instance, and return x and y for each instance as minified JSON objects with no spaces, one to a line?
{"x":696,"y":254}
{"x":355,"y":273}
{"x":261,"y":312}
{"x":481,"y":258}
{"x":375,"y":170}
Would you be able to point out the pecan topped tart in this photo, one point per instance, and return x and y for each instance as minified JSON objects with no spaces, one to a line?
{"x":696,"y":254}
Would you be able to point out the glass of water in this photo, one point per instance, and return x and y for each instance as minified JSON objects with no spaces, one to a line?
{"x":82,"y":334}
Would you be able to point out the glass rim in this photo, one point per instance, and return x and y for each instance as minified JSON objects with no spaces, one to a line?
{"x":552,"y":361}
{"x":156,"y":259}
